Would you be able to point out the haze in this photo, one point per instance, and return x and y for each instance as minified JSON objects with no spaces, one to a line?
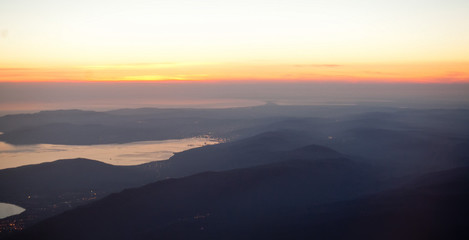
{"x":32,"y":97}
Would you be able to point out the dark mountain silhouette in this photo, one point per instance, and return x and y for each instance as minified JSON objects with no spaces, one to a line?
{"x":285,"y":200}
{"x":433,"y":206}
{"x":239,"y":197}
{"x":72,"y":175}
{"x":50,"y":188}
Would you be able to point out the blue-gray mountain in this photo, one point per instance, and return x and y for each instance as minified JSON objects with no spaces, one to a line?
{"x":289,"y":172}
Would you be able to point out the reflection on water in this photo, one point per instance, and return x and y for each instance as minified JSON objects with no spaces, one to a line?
{"x":116,"y":154}
{"x":7,"y":210}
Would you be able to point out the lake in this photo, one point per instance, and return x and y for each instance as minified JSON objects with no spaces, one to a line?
{"x":116,"y":154}
{"x":7,"y":210}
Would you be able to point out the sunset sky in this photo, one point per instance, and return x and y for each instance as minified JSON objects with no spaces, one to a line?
{"x":224,"y":40}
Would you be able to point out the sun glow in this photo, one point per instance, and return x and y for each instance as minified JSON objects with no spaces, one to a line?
{"x":422,"y":72}
{"x":299,"y":40}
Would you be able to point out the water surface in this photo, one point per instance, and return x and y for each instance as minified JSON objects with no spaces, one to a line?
{"x":7,"y":210}
{"x":116,"y":154}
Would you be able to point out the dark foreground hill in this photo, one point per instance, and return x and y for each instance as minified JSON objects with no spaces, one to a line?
{"x":431,"y":207}
{"x":213,"y":204}
{"x":297,"y":199}
{"x":71,"y":175}
{"x":50,"y":188}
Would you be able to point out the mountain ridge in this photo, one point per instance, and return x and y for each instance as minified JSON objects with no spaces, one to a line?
{"x":221,"y":205}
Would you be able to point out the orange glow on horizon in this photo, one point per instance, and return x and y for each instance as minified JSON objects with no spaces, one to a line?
{"x":298,"y":40}
{"x":417,"y":72}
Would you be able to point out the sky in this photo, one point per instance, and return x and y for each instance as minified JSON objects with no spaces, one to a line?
{"x":258,"y":40}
